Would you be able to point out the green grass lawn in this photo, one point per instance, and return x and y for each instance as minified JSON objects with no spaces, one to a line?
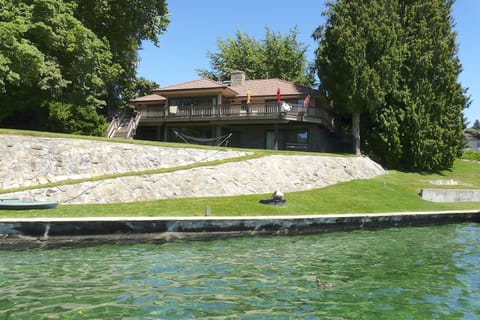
{"x":394,"y":192}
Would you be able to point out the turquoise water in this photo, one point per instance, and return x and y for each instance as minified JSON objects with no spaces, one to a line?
{"x":404,"y":273}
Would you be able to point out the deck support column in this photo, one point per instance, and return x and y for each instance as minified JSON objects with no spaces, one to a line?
{"x":218,"y":131}
{"x":165,"y":133}
{"x":275,"y":142}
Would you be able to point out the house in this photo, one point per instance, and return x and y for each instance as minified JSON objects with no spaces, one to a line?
{"x":262,"y":114}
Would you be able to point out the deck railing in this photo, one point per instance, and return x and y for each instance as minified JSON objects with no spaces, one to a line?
{"x":218,"y":111}
{"x":239,"y":111}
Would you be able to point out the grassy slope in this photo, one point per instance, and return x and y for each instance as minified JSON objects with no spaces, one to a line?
{"x":394,"y":192}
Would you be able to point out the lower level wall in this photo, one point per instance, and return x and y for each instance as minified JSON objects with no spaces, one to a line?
{"x":257,"y":136}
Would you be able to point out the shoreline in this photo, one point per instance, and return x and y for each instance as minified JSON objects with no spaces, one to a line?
{"x":29,"y":233}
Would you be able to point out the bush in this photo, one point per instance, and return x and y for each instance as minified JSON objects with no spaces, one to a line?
{"x":76,"y":119}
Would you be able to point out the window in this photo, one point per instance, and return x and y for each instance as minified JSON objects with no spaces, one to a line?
{"x":288,"y":139}
{"x":193,"y":101}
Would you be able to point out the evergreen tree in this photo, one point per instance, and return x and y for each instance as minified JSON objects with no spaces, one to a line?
{"x":433,"y":126}
{"x":357,"y":62}
{"x":476,"y":125}
{"x":394,"y":63}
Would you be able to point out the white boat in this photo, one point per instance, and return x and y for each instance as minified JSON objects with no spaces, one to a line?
{"x":18,"y":204}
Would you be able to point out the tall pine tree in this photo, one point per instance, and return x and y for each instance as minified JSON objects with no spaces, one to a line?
{"x":433,"y":124}
{"x":393,"y":65}
{"x":356,"y":60}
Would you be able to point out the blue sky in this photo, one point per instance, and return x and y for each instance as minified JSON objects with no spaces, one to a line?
{"x":195,"y":26}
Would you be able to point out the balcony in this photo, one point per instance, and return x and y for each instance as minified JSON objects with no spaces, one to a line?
{"x":244,"y":112}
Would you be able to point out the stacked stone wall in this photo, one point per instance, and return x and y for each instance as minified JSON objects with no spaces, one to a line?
{"x":40,"y":160}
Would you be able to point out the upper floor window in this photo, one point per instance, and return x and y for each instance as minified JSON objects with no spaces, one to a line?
{"x":193,"y":101}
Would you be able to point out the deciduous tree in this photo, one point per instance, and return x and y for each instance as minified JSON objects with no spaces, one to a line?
{"x":60,"y":60}
{"x":125,"y":24}
{"x":276,"y":56}
{"x":138,"y":88}
{"x":47,"y":56}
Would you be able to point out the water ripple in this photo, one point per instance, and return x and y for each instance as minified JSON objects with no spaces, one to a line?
{"x":408,"y":273}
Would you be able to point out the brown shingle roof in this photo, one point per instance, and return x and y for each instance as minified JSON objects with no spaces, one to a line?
{"x":203,"y":83}
{"x":150,"y":97}
{"x":200,"y":85}
{"x":258,"y":88}
{"x":268,"y":87}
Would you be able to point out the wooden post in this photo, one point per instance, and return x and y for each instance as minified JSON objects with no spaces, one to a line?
{"x":165,"y":133}
{"x":275,"y":143}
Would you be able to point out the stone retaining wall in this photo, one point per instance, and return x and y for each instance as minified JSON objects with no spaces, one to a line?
{"x":29,"y":161}
{"x":254,"y":176}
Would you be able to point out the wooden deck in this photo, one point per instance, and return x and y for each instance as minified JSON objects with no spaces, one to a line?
{"x":264,"y":111}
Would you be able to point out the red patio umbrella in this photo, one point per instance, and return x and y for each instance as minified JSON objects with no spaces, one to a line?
{"x":279,"y":97}
{"x":306,"y":102}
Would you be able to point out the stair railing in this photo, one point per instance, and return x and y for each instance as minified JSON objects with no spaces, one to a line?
{"x":115,"y":124}
{"x":112,"y":127}
{"x":133,"y":125}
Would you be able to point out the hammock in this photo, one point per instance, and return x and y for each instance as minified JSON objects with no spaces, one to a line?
{"x":223,"y":139}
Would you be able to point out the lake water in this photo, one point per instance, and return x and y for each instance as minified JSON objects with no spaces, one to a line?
{"x":403,"y":273}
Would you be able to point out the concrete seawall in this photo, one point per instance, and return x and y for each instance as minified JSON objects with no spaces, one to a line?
{"x":451,"y":195}
{"x":50,"y":232}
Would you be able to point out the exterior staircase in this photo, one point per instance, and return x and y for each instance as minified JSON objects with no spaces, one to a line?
{"x":124,"y":125}
{"x":122,"y":130}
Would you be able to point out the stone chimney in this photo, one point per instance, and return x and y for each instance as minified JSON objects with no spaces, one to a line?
{"x":237,"y":78}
